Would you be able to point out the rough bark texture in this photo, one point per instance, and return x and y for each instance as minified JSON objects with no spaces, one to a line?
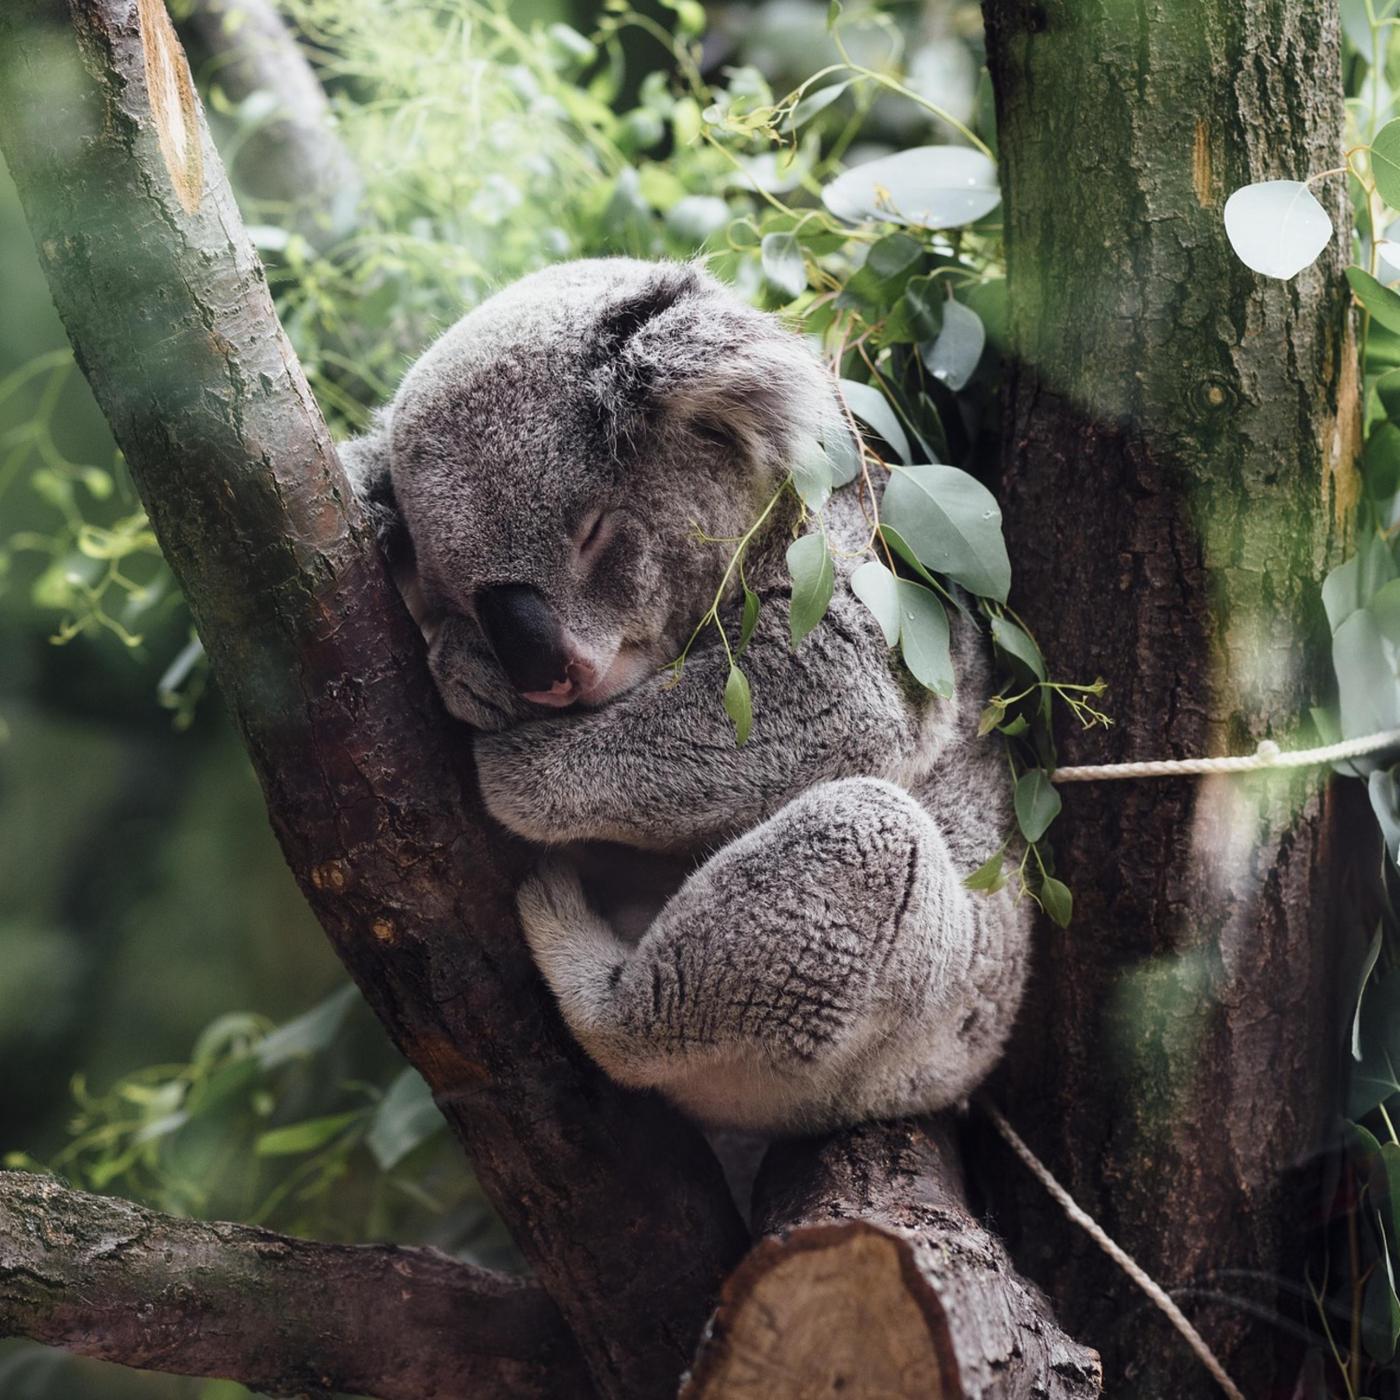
{"x":615,"y":1201}
{"x":1180,"y":445}
{"x":295,"y":157}
{"x":105,"y":1278}
{"x":873,"y":1279}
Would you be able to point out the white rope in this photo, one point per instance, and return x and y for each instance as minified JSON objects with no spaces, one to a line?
{"x":1121,"y":1257}
{"x":1267,"y":755}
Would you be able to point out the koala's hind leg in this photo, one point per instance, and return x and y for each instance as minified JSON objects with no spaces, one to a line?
{"x":826,"y":966}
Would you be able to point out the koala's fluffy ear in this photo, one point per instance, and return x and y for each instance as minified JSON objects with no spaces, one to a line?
{"x":684,"y":352}
{"x":366,"y":463}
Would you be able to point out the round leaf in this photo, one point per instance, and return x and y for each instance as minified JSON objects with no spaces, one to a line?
{"x":813,"y":578}
{"x":1057,"y":900}
{"x":926,"y":187}
{"x":954,"y":355}
{"x":924,"y":638}
{"x":1385,"y":163}
{"x":953,"y":524}
{"x":878,"y":589}
{"x":1037,"y":803}
{"x":1277,"y":228}
{"x":783,"y":264}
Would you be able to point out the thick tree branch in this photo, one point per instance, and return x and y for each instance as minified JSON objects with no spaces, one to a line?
{"x":108,"y":1279}
{"x":616,"y":1202}
{"x":874,"y":1279}
{"x":296,"y":156}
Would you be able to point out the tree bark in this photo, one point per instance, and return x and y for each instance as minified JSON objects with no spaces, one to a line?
{"x":873,"y":1279}
{"x":108,"y":1279}
{"x":615,"y":1201}
{"x":1180,"y":450}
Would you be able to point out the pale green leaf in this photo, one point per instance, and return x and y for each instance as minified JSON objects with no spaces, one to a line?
{"x":924,"y":638}
{"x":953,"y":524}
{"x":813,"y":579}
{"x":878,"y":589}
{"x":1037,"y":803}
{"x":738,"y":704}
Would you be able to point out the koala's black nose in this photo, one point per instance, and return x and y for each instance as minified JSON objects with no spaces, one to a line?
{"x":526,"y":636}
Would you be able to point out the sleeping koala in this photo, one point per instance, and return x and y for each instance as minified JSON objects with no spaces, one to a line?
{"x":559,"y":483}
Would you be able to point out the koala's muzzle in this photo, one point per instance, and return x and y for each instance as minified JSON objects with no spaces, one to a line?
{"x":535,"y":652}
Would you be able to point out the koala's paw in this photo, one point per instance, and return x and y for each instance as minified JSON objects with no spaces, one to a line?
{"x":553,"y":907}
{"x":516,"y":786}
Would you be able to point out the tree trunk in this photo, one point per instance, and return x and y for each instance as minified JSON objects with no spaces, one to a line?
{"x":1179,"y":472}
{"x":615,"y":1200}
{"x":873,"y":1279}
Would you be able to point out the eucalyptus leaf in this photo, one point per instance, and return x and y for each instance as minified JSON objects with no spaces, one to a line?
{"x":1385,"y":607}
{"x":872,"y":407}
{"x":812,"y":475}
{"x":303,"y":1137}
{"x":1037,"y":803}
{"x":1383,"y":787}
{"x":1381,"y":302}
{"x":924,"y":640}
{"x":953,"y":357}
{"x":1367,"y":967}
{"x":1057,"y":900}
{"x":783,"y":264}
{"x":953,"y":524}
{"x":738,"y":703}
{"x":925,"y":187}
{"x":988,"y":876}
{"x":813,"y":579}
{"x":310,"y":1032}
{"x":842,"y":453}
{"x":878,"y":589}
{"x":749,"y":620}
{"x":814,"y":103}
{"x":1019,"y":645}
{"x":1368,"y":687}
{"x":1277,"y":227}
{"x":1385,"y":163}
{"x":405,"y":1118}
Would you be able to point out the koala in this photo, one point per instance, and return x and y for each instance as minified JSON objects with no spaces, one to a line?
{"x":559,"y":483}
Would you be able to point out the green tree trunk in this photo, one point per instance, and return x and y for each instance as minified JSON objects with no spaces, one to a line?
{"x":1180,"y":437}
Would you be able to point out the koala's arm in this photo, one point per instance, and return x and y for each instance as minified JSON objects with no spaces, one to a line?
{"x":659,"y":767}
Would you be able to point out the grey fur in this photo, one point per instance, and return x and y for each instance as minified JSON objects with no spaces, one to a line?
{"x":822,"y":963}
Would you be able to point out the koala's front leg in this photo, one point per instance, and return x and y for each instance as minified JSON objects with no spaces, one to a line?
{"x":825,"y":968}
{"x":659,"y":768}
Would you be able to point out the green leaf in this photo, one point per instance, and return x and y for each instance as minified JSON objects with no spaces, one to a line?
{"x":1018,"y":644}
{"x":954,"y":355}
{"x":405,"y":1118}
{"x":924,"y":301}
{"x":1380,"y":1310}
{"x":987,"y":876}
{"x":924,"y":638}
{"x":738,"y":704}
{"x":1367,"y":685}
{"x":812,"y":475}
{"x":749,"y":620}
{"x":813,"y":579}
{"x":872,"y":407}
{"x":1058,"y":901}
{"x":1037,"y":803}
{"x":842,"y":453}
{"x":1372,"y":953}
{"x":304,"y":1137}
{"x":1385,"y":607}
{"x":878,"y":589}
{"x":953,"y":524}
{"x":1385,"y":163}
{"x":309,"y":1033}
{"x":783,"y":264}
{"x":1384,"y":790}
{"x":926,"y":187}
{"x":814,"y":103}
{"x":1381,"y":302}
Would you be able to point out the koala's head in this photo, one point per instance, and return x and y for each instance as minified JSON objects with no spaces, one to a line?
{"x":552,"y":457}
